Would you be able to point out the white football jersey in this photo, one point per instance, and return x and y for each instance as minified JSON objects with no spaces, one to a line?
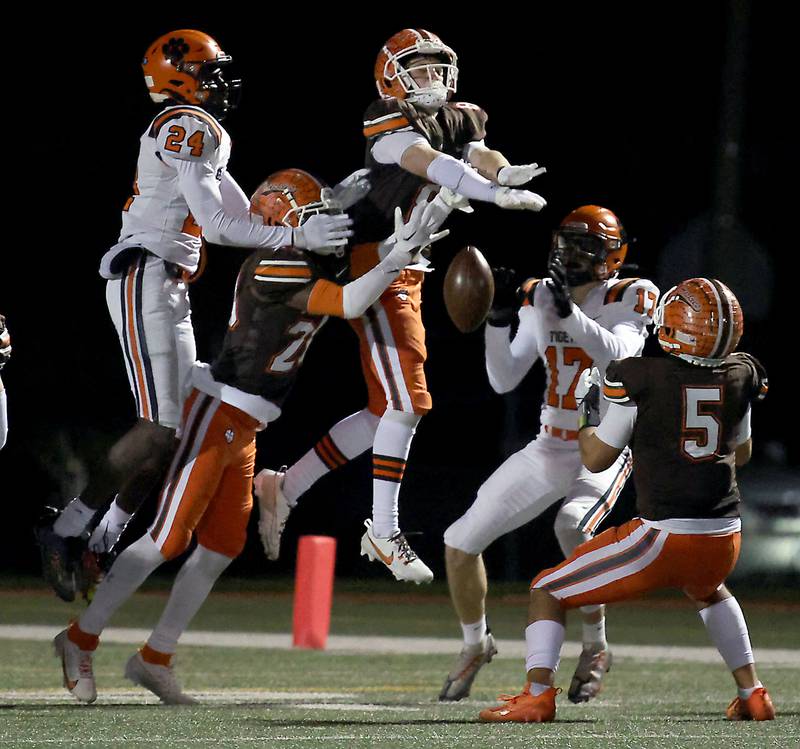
{"x":157,"y":216}
{"x":611,"y":323}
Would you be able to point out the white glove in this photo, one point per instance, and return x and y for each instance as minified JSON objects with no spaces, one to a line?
{"x":518,"y":200}
{"x":411,"y":236}
{"x":454,"y":200}
{"x":323,"y":233}
{"x":351,"y":189}
{"x":587,"y":378}
{"x":519,"y":175}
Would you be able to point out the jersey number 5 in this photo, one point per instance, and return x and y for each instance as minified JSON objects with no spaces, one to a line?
{"x":572,"y":355}
{"x":176,"y":137}
{"x":700,"y":435}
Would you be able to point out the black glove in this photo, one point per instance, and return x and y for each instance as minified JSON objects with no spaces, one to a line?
{"x":589,"y":409}
{"x":559,"y":289}
{"x":505,"y":302}
{"x":5,"y":343}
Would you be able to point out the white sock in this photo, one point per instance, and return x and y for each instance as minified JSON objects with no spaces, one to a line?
{"x":389,"y":453}
{"x":109,"y":529}
{"x":128,"y":572}
{"x":728,"y":631}
{"x":192,"y":585}
{"x":544,"y":639}
{"x":346,"y":440}
{"x":595,"y":634}
{"x":73,"y":519}
{"x":475,"y":633}
{"x":744,"y":694}
{"x":537,"y":689}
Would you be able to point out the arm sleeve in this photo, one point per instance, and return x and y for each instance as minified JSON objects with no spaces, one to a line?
{"x":204,"y":197}
{"x":617,"y":425}
{"x":389,"y":149}
{"x":3,"y":417}
{"x":234,"y":201}
{"x":626,"y":335}
{"x":507,"y":361}
{"x":741,"y":432}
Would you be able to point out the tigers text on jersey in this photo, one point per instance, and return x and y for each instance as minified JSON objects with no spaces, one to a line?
{"x":449,"y":130}
{"x":156,"y":216}
{"x":611,"y":323}
{"x":266,"y":338}
{"x":684,"y":438}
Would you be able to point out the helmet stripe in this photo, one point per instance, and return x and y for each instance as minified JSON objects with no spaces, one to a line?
{"x":726,"y":326}
{"x":718,"y":301}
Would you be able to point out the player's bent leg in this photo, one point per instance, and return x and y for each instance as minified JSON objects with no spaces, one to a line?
{"x":345,"y":441}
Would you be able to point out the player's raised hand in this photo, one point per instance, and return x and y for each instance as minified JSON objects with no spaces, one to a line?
{"x":518,"y":175}
{"x":351,"y":189}
{"x":560,"y":289}
{"x":324,"y":233}
{"x":412,"y":235}
{"x":454,"y":201}
{"x":518,"y":200}
{"x":505,"y":302}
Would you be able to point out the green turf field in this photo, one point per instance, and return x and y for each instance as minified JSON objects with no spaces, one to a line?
{"x":285,"y":698}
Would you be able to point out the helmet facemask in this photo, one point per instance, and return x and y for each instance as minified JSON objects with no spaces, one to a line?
{"x":221,"y":95}
{"x":583,"y":256}
{"x":434,"y":64}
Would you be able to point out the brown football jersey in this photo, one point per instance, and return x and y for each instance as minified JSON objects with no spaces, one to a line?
{"x":684,"y":439}
{"x":266,"y":338}
{"x":447,"y":130}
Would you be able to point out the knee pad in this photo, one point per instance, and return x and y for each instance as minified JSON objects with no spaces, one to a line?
{"x":402,"y":417}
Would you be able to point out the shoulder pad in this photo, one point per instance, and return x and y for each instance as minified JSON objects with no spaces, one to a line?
{"x":186,"y":133}
{"x":759,"y":374}
{"x":527,"y":290}
{"x":641,"y":293}
{"x":384,"y":116}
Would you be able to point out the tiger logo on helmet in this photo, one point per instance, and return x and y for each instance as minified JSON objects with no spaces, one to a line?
{"x":394,"y":76}
{"x":699,"y":320}
{"x":185,"y":67}
{"x":590,"y":243}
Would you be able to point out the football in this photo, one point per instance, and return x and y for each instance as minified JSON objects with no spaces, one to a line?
{"x":468,"y":289}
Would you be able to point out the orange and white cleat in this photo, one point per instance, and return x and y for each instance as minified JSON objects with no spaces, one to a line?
{"x":523,"y":708}
{"x":758,"y":706}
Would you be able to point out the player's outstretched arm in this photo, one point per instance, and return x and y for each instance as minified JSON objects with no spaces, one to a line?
{"x":460,"y":177}
{"x":353,"y":299}
{"x":496,"y":167}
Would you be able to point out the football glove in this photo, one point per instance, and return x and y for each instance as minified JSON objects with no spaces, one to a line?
{"x":351,"y":189}
{"x":518,"y":200}
{"x":506,"y":297}
{"x":518,"y":175}
{"x":559,"y":289}
{"x":323,"y":233}
{"x":587,"y":393}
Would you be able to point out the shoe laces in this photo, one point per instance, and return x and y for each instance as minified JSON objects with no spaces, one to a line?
{"x":85,"y":665}
{"x":404,"y":551}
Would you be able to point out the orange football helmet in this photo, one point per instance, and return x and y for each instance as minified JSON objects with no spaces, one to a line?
{"x":590,"y":243}
{"x":289,"y":197}
{"x":393,"y":74}
{"x":699,"y":320}
{"x":185,"y":66}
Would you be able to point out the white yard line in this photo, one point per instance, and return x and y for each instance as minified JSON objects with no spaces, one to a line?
{"x":358,"y":644}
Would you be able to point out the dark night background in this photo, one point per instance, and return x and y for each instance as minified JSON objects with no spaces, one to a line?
{"x":673,"y":115}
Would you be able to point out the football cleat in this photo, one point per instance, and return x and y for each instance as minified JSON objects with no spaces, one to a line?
{"x":469,"y":661}
{"x":160,"y":680}
{"x":396,"y":554}
{"x":588,"y":678}
{"x":758,"y":706}
{"x":273,"y":510}
{"x":60,"y":560}
{"x":76,"y":665}
{"x":523,"y":708}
